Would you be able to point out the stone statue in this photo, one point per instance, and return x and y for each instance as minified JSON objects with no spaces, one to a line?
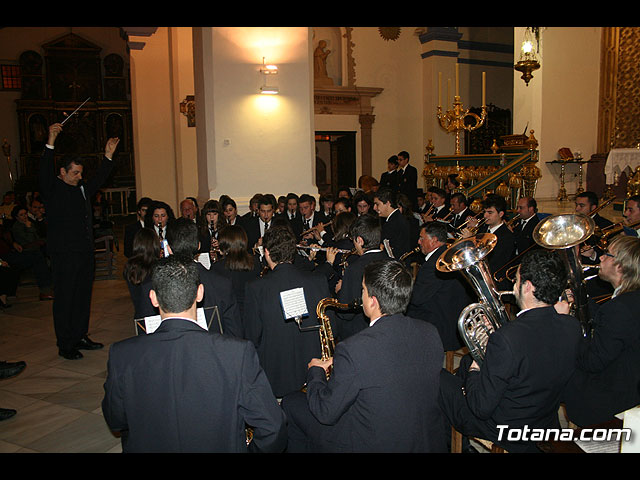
{"x":320,"y":64}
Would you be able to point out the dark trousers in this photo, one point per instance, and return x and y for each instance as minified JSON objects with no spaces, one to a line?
{"x":459,"y":416}
{"x":305,"y":434}
{"x":31,"y":259}
{"x":72,"y":286}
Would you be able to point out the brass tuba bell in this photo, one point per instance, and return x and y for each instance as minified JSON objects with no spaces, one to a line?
{"x":478,"y":320}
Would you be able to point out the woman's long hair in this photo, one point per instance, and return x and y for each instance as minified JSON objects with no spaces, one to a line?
{"x":342,"y":225}
{"x":211,"y":206}
{"x":233,"y":244}
{"x":146,"y":251}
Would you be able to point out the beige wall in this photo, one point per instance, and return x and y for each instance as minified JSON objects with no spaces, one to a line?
{"x":561,"y":102}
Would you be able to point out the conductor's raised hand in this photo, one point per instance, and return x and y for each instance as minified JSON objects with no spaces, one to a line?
{"x":110,"y":148}
{"x":54,"y":130}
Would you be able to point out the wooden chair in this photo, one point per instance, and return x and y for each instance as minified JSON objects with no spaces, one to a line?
{"x":451,"y":355}
{"x":104,"y":257}
{"x":456,"y":443}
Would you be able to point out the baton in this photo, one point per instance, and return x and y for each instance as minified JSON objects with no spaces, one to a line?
{"x":72,"y":113}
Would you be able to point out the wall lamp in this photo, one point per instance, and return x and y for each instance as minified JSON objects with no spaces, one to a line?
{"x":528,"y":54}
{"x":268,"y":76}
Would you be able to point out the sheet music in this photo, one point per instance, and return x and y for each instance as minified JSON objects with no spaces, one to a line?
{"x":205,"y":260}
{"x":612,"y":446}
{"x":151,"y":324}
{"x":293,"y":303}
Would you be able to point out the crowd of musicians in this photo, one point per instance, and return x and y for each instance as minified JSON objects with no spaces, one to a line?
{"x":258,"y":380}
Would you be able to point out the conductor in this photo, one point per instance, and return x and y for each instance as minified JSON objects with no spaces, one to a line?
{"x":70,"y":241}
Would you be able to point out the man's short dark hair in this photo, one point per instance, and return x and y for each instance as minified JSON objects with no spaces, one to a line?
{"x":344,"y":201}
{"x":531,"y":203}
{"x":293,"y":196}
{"x":182,"y":236}
{"x":265,"y":200}
{"x":281,"y":243}
{"x":143,"y":202}
{"x":547,"y":272}
{"x":391,"y":283}
{"x":437,"y":230}
{"x":591,"y":197}
{"x":439,"y":191}
{"x":404,"y":154}
{"x":368,"y":228}
{"x":387,"y":195}
{"x":305,"y":197}
{"x":228,"y":201}
{"x":461,"y":198}
{"x":67,"y":160}
{"x":496,"y":201}
{"x":175,"y":280}
{"x":393,"y":160}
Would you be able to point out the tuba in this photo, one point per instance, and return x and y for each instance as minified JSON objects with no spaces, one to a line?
{"x":565,"y":232}
{"x":478,"y":320}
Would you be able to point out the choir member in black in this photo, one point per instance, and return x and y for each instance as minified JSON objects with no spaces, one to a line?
{"x":527,"y":364}
{"x":608,"y":367}
{"x":137,"y":272}
{"x":283,"y":347}
{"x":236,"y":263}
{"x":365,"y":233}
{"x":407,"y":177}
{"x":395,"y":227}
{"x":133,"y":228}
{"x":405,"y":207}
{"x":389,"y":179}
{"x":382,"y":395}
{"x":438,"y":297}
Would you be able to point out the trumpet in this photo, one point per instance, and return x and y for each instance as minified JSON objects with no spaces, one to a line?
{"x":512,"y":221}
{"x":408,"y":254}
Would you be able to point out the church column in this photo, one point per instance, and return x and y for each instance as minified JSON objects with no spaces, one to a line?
{"x":366,"y":125}
{"x":252,"y":143}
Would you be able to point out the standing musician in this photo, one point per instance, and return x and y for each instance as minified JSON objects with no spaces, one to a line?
{"x":284,"y":350}
{"x":365,"y":233}
{"x":527,"y":363}
{"x":256,"y":226}
{"x":438,"y":297}
{"x":389,"y":179}
{"x":608,"y":366}
{"x":382,"y":395}
{"x":395,"y":227}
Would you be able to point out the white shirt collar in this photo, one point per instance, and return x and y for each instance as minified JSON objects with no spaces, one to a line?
{"x":493,"y":229}
{"x":389,"y":216}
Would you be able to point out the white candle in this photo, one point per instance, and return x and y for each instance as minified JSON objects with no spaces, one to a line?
{"x":448,"y":89}
{"x":439,"y":89}
{"x":457,"y":80}
{"x":484,"y":87}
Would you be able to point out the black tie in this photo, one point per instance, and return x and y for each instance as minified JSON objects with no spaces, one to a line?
{"x":306,"y":224}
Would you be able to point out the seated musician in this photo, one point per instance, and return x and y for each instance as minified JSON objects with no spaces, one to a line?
{"x":632,"y":216}
{"x":182,"y":389}
{"x":608,"y":366}
{"x":438,"y":297}
{"x":527,"y":208}
{"x":459,"y":209}
{"x":527,"y":362}
{"x":365,"y":235}
{"x":495,"y":207}
{"x":382,"y":394}
{"x":438,"y":198}
{"x":586,"y":203}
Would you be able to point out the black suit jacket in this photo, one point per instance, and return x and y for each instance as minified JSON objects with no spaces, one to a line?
{"x":181,"y":389}
{"x":524,"y":237}
{"x":397,"y":230}
{"x":456,"y":222}
{"x":383,"y":391}
{"x":350,"y":322}
{"x":438,"y":298}
{"x":607,"y":377}
{"x":389,"y":180}
{"x":504,"y":249}
{"x":251,"y":226}
{"x":283,"y":349}
{"x":527,"y":365}
{"x":69,"y":212}
{"x":408,"y":183}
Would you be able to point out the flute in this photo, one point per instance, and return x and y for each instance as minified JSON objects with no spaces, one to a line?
{"x":321,"y":249}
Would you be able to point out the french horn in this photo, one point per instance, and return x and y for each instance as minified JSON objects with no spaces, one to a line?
{"x":478,"y":320}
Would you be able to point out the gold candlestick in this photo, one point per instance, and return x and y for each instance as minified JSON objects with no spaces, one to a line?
{"x":453,"y":120}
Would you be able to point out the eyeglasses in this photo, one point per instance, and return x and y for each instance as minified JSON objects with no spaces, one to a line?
{"x":607,"y":254}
